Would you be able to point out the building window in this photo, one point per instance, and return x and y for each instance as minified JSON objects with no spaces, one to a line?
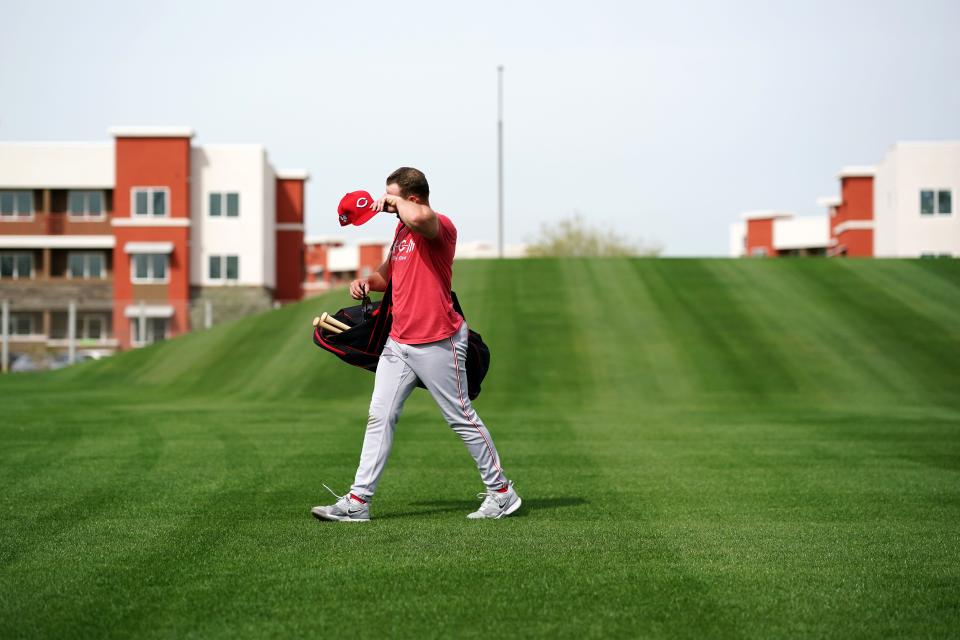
{"x":233,"y":268}
{"x":18,"y":266}
{"x":148,"y":268}
{"x":16,"y":204}
{"x":759,"y":252}
{"x":932,"y":201}
{"x":224,"y":268}
{"x":92,"y":327}
{"x":155,"y":330}
{"x":232,"y":201}
{"x":944,"y":203}
{"x":20,"y":324}
{"x":85,"y":204}
{"x":150,"y":201}
{"x":85,"y":265}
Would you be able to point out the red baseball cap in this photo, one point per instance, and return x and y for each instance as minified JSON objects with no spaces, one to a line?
{"x":356,"y":208}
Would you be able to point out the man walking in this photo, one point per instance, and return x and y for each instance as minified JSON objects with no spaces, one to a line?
{"x":427,"y":342}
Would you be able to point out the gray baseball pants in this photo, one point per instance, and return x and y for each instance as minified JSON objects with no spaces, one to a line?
{"x":441,"y":366}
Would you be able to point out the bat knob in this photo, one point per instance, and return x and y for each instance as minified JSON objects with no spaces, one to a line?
{"x":316,"y":321}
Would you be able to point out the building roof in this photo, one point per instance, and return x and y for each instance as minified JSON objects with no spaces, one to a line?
{"x":767,"y":214}
{"x":829,"y":201}
{"x":293,"y":174}
{"x":857,"y":172}
{"x":151,"y":132}
{"x":58,"y":165}
{"x":324,"y":240}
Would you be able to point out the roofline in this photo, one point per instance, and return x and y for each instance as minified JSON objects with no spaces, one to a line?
{"x":151,"y":132}
{"x":768,"y":214}
{"x":829,"y":201}
{"x":293,"y":174}
{"x":857,"y":172}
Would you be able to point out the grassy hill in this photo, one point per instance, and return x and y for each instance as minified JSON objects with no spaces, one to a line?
{"x":704,"y":448}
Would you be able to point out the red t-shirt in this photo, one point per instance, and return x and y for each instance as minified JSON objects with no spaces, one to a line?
{"x":421,"y":271}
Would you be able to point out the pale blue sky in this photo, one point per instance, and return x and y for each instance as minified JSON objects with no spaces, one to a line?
{"x":662,"y":120}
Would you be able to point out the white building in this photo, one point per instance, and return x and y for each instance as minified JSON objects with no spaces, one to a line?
{"x":913,"y":197}
{"x":901,"y":208}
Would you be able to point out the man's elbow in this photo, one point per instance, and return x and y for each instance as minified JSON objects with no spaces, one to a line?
{"x":425,"y":223}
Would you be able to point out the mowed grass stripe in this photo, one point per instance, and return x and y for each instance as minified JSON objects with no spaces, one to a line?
{"x":671,"y":489}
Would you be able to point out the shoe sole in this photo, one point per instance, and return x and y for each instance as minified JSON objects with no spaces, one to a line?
{"x":511,"y":508}
{"x":332,"y":518}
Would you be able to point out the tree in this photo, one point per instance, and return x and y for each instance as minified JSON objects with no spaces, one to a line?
{"x":573,"y":238}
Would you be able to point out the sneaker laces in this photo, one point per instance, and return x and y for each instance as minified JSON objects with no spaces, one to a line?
{"x":334,"y":493}
{"x":489,"y":498}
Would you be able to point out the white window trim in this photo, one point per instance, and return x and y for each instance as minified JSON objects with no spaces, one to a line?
{"x":150,"y":191}
{"x":223,"y":279}
{"x":17,"y":216}
{"x":17,"y":276}
{"x":86,"y":216}
{"x":141,"y":343}
{"x":223,"y":204}
{"x":86,"y":265}
{"x":222,"y":269}
{"x":936,"y":203}
{"x":149,"y":279}
{"x":84,"y":327}
{"x":31,"y":334}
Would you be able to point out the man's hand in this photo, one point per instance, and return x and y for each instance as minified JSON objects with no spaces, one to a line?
{"x":388,"y":203}
{"x":359,"y":288}
{"x":414,"y":215}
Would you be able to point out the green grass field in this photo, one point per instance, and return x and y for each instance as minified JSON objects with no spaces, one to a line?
{"x":705,"y":448}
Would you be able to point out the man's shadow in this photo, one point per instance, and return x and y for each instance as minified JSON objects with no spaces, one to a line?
{"x":529,"y":506}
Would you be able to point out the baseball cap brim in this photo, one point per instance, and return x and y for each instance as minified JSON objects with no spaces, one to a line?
{"x":364,"y":216}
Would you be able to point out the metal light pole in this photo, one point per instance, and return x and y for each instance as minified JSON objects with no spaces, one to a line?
{"x":500,"y":160}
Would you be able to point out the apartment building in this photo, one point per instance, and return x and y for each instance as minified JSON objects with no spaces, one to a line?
{"x":900,"y":208}
{"x":126,"y":242}
{"x":330,"y":262}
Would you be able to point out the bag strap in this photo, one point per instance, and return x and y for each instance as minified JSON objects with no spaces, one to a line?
{"x":384,"y":316}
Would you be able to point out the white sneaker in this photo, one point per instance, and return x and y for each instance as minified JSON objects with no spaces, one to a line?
{"x":346,"y":509}
{"x":496,"y":504}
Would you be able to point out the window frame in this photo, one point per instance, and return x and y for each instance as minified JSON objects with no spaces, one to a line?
{"x":149,"y":326}
{"x":935,"y":193}
{"x":20,"y":315}
{"x":224,"y":198}
{"x":86,"y":265}
{"x":218,"y":260}
{"x":150,"y":278}
{"x":219,"y":197}
{"x":150,"y":192}
{"x":222,"y":262}
{"x":85,"y":326}
{"x":938,"y":193}
{"x":17,"y":215}
{"x":16,"y":272}
{"x":86,"y":215}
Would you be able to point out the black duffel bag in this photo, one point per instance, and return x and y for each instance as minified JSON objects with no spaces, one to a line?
{"x":369,"y":327}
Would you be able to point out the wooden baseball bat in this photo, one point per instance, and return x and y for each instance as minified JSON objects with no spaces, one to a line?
{"x":329,"y":319}
{"x":318,"y":322}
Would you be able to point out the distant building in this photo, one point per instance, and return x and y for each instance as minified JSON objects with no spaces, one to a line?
{"x":137,"y":231}
{"x":329,"y":262}
{"x":913,"y":194}
{"x":903,"y":207}
{"x":850,"y":216}
{"x":773,"y":233}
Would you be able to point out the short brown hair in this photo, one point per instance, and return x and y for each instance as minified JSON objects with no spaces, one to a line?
{"x":411,"y":181}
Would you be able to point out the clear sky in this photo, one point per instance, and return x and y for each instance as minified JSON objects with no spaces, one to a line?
{"x":661,"y":120}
